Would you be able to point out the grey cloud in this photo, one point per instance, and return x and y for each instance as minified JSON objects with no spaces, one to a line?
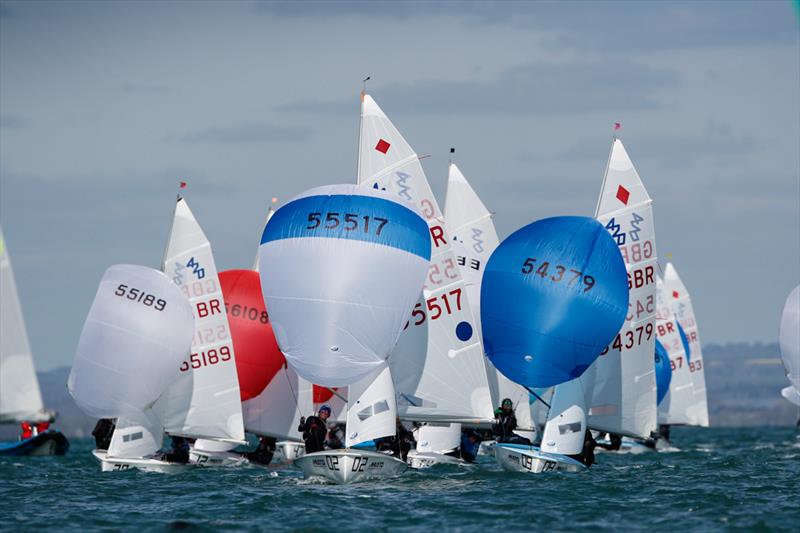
{"x":533,"y":89}
{"x":586,"y":25}
{"x":12,"y":122}
{"x":139,"y":88}
{"x":246,"y":133}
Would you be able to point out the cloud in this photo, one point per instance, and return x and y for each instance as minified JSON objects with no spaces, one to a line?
{"x":245,"y":134}
{"x":12,"y":122}
{"x":533,"y":89}
{"x":593,"y":26}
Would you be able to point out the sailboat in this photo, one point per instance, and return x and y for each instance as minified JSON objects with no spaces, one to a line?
{"x":681,"y":304}
{"x":326,"y":257}
{"x":20,"y":397}
{"x":137,"y":332}
{"x":204,"y":402}
{"x":474,"y":240}
{"x":438,"y":363}
{"x":620,"y":387}
{"x":790,"y":345}
{"x":274,"y":397}
{"x":554,"y":294}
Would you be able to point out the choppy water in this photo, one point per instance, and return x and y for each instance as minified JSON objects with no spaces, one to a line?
{"x":722,"y":479}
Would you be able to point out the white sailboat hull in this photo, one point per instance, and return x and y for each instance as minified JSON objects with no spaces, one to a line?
{"x":487,"y":447}
{"x":418,"y":460}
{"x":523,"y":458}
{"x":118,"y":464}
{"x":216,"y":459}
{"x":349,"y":465}
{"x":290,"y":450}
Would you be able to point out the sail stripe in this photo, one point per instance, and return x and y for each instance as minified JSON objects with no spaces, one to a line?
{"x":354,"y":217}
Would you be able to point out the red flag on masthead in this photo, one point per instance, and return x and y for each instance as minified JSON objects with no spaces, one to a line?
{"x":617,"y":126}
{"x":183,"y":185}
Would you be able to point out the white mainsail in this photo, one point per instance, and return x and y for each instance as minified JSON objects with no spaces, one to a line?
{"x":438,"y":363}
{"x":681,"y":304}
{"x":372,"y":408}
{"x":676,"y":406}
{"x":790,"y":345}
{"x":204,"y":401}
{"x":20,"y":398}
{"x":474,"y":238}
{"x":624,"y":387}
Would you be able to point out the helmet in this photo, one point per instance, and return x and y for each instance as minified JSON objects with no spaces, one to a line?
{"x":325,"y":408}
{"x":507,"y":402}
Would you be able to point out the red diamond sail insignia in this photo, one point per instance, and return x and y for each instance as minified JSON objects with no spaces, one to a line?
{"x":675,"y":294}
{"x":382,"y":146}
{"x":623,"y":194}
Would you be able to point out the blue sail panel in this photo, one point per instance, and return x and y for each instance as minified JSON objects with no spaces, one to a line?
{"x":685,"y":341}
{"x":663,"y":372}
{"x":554,"y":294}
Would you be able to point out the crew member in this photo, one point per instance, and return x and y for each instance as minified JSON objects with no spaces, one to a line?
{"x":315,"y":430}
{"x":399,"y":443}
{"x":470,"y":444}
{"x":505,"y":422}
{"x":587,"y":454}
{"x":102,"y":433}
{"x":27,"y":430}
{"x":263,"y":454}
{"x":179,"y":453}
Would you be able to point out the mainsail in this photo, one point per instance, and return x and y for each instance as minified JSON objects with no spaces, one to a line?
{"x":681,"y":304}
{"x":675,"y":407}
{"x":623,"y":383}
{"x":438,"y":364}
{"x":790,"y":345}
{"x":20,"y":398}
{"x":341,"y":267}
{"x":204,"y":401}
{"x":474,"y":238}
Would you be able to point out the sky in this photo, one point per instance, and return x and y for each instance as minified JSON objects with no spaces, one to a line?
{"x":105,"y":106}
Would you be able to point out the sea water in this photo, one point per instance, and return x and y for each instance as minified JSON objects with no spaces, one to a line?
{"x":719,"y":480}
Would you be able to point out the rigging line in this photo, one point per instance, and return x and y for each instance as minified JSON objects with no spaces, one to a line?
{"x":289,"y":381}
{"x":536,"y":396}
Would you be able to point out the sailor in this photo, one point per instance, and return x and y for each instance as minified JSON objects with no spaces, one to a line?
{"x":27,"y":431}
{"x":179,"y":453}
{"x":505,"y":422}
{"x":315,"y":429}
{"x":470,"y":443}
{"x":335,"y":440}
{"x":263,"y":454}
{"x":615,"y":442}
{"x":102,"y":433}
{"x":399,"y":443}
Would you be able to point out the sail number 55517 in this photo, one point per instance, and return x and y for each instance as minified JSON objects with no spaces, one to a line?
{"x":348,"y":221}
{"x":438,"y":306}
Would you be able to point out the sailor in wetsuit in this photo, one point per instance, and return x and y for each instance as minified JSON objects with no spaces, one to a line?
{"x":179,"y":453}
{"x":315,"y":429}
{"x":505,"y":422}
{"x":102,"y":433}
{"x":399,"y":443}
{"x":470,"y":444}
{"x":263,"y":454}
{"x":587,"y":454}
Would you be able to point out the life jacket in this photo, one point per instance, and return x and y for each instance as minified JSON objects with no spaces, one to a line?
{"x":27,"y":430}
{"x":41,"y":427}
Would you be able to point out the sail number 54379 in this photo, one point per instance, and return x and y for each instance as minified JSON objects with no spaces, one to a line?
{"x":560,"y":273}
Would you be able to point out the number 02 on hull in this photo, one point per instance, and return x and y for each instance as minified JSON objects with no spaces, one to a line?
{"x":349,"y":466}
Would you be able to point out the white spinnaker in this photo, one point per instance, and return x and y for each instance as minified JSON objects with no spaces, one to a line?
{"x":624,"y":388}
{"x":681,"y":304}
{"x":204,"y":401}
{"x":136,"y":435}
{"x":474,"y":238}
{"x":676,"y":406}
{"x":372,"y":409}
{"x":790,"y":344}
{"x":276,"y":412}
{"x":438,"y":376}
{"x":20,"y":398}
{"x":136,"y":334}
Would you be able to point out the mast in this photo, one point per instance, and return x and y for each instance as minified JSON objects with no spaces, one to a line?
{"x":605,"y":175}
{"x":360,"y":126}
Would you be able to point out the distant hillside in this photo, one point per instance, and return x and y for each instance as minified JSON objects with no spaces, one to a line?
{"x":744,"y":389}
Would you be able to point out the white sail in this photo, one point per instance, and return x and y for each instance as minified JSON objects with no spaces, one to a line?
{"x":566,"y":421}
{"x":136,"y":334}
{"x":276,"y":412}
{"x":20,"y":398}
{"x":681,"y":304}
{"x":474,"y":238}
{"x":676,"y":406}
{"x":438,"y":437}
{"x":624,"y":388}
{"x":438,"y":363}
{"x":372,"y":409}
{"x":790,"y":345}
{"x":204,"y":401}
{"x":136,"y":435}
